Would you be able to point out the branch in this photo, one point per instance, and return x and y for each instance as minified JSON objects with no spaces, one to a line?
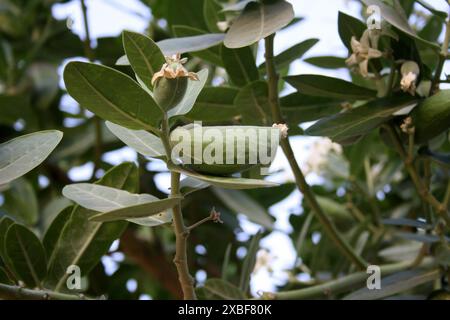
{"x":17,"y":292}
{"x":302,"y":185}
{"x":214,"y":216}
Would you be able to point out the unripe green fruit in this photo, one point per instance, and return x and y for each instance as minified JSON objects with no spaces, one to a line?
{"x":244,"y":144}
{"x":431,"y":117}
{"x":169,"y":92}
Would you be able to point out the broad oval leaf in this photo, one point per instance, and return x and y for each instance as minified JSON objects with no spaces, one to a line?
{"x":349,"y":27}
{"x":327,"y":62}
{"x":190,"y":44}
{"x":25,"y":255}
{"x":214,"y":104}
{"x":398,"y":20}
{"x":323,"y":86}
{"x":298,"y":108}
{"x":240,"y":65}
{"x":112,"y":95}
{"x":253,"y":103}
{"x":20,"y":202}
{"x":211,"y":54}
{"x":5,"y":223}
{"x":53,"y":231}
{"x":432,"y":116}
{"x":193,"y":89}
{"x":225,"y":182}
{"x":142,"y":141}
{"x":239,"y":202}
{"x":24,"y":153}
{"x":257,"y":21}
{"x":143,"y":54}
{"x":116,"y":204}
{"x":360,"y":120}
{"x":83,"y":242}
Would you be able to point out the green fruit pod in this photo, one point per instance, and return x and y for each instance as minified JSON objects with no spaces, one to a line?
{"x":224,"y":150}
{"x":169,"y":92}
{"x":431,"y":117}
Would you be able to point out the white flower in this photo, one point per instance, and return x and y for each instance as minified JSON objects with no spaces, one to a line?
{"x":362,"y":53}
{"x":410,"y":71}
{"x":283,"y":129}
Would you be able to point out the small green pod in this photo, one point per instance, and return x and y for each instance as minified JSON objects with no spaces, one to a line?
{"x":431,"y":117}
{"x":169,"y":92}
{"x":224,"y":150}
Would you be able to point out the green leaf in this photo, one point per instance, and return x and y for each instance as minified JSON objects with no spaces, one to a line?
{"x":225,"y":182}
{"x":215,"y":104}
{"x":149,"y":214}
{"x":239,"y":202}
{"x":257,"y":21}
{"x":419,"y":237}
{"x":52,"y":233}
{"x":285,"y":58}
{"x":298,"y":108}
{"x":212,"y":14}
{"x":211,"y":53}
{"x":396,"y":283}
{"x":432,"y":116}
{"x":218,"y":289}
{"x":25,"y":255}
{"x":398,"y":20}
{"x":83,"y":242}
{"x":253,"y":103}
{"x":349,"y":27}
{"x":116,"y":204}
{"x":143,"y":54}
{"x":333,"y":209}
{"x":112,"y":95}
{"x":240,"y":65}
{"x":5,"y":223}
{"x":322,"y":86}
{"x":193,"y":89}
{"x":189,"y":185}
{"x":238,"y":6}
{"x":360,"y":120}
{"x":21,"y":202}
{"x":267,"y":197}
{"x":24,"y":153}
{"x":327,"y":62}
{"x":142,"y":141}
{"x":249,"y":262}
{"x":190,"y":44}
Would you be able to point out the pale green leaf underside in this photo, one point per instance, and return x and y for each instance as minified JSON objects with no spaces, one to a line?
{"x":116,"y":204}
{"x":190,"y":44}
{"x":22,"y":154}
{"x":142,"y":141}
{"x":225,"y":182}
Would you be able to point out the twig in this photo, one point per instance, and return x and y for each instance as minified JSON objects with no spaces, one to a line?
{"x":17,"y":292}
{"x":303,"y":186}
{"x":214,"y":216}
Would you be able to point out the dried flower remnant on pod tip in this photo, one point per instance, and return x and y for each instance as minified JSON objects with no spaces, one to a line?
{"x":173,"y":68}
{"x":283,"y":129}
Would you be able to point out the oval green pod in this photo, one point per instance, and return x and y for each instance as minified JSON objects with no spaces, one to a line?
{"x":224,"y":150}
{"x":431,"y":117}
{"x":169,"y":92}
